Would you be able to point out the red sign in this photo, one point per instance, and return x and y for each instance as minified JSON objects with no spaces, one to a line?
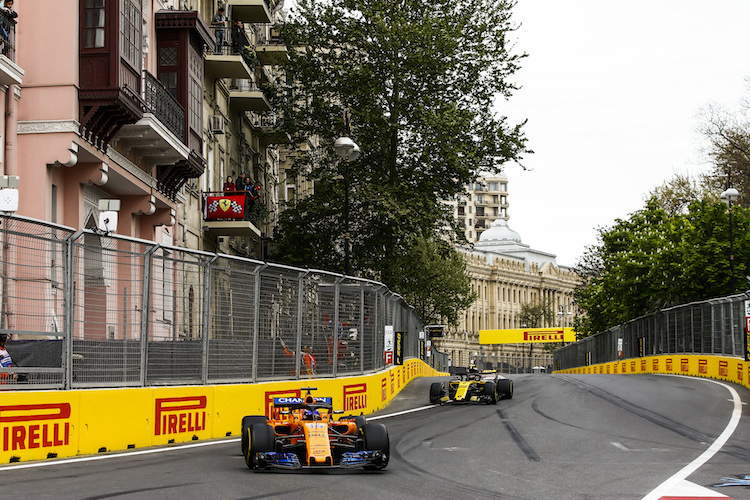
{"x":292,"y":393}
{"x":225,"y":207}
{"x":355,"y":397}
{"x":176,"y":415}
{"x":40,"y":429}
{"x":388,"y":357}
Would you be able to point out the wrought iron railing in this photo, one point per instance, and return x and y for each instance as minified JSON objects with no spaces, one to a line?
{"x":7,"y":36}
{"x":163,"y":105}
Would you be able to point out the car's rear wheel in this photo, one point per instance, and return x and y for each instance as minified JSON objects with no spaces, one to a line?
{"x":489,"y":391}
{"x":376,"y":439}
{"x":436,"y":392}
{"x":505,"y":388}
{"x":261,"y":439}
{"x":247,"y":422}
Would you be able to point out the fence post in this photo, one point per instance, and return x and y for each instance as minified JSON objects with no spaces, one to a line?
{"x":145,"y":307}
{"x":256,"y":319}
{"x":69,"y":307}
{"x":361,"y":328}
{"x":335,"y":332}
{"x":206,"y":318}
{"x":300,"y":291}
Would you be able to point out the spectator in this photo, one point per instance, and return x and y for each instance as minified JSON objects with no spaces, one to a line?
{"x":218,"y":23}
{"x":5,"y":27}
{"x":307,"y":359}
{"x":229,"y":186}
{"x":238,"y":34}
{"x":8,"y":9}
{"x":5,"y":360}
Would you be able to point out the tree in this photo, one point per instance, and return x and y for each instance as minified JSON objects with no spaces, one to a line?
{"x":433,"y":279}
{"x":655,"y":260}
{"x":419,"y":79}
{"x":537,"y":314}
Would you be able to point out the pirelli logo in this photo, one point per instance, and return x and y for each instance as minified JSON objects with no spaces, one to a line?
{"x":655,"y":365}
{"x":27,"y":427}
{"x":684,"y":365}
{"x":723,"y":368}
{"x":703,"y":366}
{"x":669,"y":364}
{"x":178,"y":415}
{"x":355,"y":397}
{"x":551,"y":336}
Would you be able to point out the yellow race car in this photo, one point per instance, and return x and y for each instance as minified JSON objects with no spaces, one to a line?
{"x":471,"y":386}
{"x":301,"y":433}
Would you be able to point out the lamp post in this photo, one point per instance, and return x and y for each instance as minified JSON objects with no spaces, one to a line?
{"x":730,"y":196}
{"x":349,"y":151}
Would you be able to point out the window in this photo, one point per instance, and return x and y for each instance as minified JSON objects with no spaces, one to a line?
{"x":168,"y":68}
{"x":130,"y":32}
{"x":93,"y":24}
{"x":480,"y":198}
{"x":503,"y":186}
{"x":492,"y":186}
{"x":480,"y":211}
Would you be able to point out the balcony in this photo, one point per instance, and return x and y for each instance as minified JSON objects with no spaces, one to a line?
{"x":158,"y":137}
{"x":229,"y":60}
{"x":10,"y":72}
{"x":252,"y":11}
{"x":270,"y":49}
{"x":246,"y":95}
{"x":231,"y":214}
{"x":268,"y":126}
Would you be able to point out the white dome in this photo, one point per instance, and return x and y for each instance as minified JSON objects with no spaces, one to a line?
{"x":499,"y":231}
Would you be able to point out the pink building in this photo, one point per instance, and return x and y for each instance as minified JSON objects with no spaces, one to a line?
{"x":110,"y":107}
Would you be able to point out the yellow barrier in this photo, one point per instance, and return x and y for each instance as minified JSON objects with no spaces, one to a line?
{"x":46,"y":424}
{"x":717,"y":367}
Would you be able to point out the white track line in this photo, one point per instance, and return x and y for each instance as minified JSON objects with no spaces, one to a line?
{"x":672,"y":483}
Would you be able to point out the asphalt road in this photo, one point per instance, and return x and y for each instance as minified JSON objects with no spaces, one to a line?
{"x":560,"y":437}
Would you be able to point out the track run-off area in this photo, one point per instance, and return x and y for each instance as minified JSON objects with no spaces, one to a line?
{"x":561,"y":436}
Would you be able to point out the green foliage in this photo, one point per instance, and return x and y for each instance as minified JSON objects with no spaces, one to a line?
{"x":432,"y":277}
{"x":419,"y":79}
{"x":537,"y":314}
{"x":655,"y":260}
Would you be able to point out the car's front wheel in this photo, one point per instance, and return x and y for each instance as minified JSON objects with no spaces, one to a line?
{"x":247,"y":422}
{"x":490,"y":393}
{"x":261,"y":439}
{"x":376,"y":439}
{"x":436,"y":392}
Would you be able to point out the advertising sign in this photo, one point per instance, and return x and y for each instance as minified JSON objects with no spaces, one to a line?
{"x":225,"y":207}
{"x":388,"y":342}
{"x":747,"y":330}
{"x":526,"y":336}
{"x":398,"y":358}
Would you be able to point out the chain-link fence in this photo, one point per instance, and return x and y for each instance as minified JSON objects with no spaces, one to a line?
{"x":715,"y":326}
{"x":91,"y":310}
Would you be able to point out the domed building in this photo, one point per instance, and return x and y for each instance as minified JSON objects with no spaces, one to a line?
{"x":506,"y":274}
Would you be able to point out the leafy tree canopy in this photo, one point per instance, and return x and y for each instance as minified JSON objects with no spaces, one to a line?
{"x":419,"y":79}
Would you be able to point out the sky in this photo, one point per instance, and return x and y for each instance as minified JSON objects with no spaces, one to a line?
{"x":612,"y":91}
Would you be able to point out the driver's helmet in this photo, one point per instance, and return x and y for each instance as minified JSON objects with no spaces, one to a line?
{"x":311,"y":415}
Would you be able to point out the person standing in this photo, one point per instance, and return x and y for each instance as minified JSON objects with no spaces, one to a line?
{"x":219,"y":24}
{"x":238,"y":33}
{"x":5,"y":360}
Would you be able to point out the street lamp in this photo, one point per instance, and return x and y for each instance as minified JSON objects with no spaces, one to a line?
{"x":349,"y":151}
{"x":730,"y":196}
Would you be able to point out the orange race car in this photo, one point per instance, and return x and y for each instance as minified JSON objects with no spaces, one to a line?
{"x":301,"y":433}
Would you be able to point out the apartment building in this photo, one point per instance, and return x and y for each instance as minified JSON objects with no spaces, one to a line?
{"x":485,"y":200}
{"x":148,"y":103}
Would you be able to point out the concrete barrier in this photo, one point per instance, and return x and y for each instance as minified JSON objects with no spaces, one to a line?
{"x":49,"y":424}
{"x":697,"y":365}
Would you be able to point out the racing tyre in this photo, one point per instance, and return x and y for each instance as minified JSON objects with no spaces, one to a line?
{"x":489,"y":390}
{"x":261,"y":438}
{"x":376,"y":439}
{"x":505,"y":388}
{"x":247,"y":422}
{"x":436,"y":392}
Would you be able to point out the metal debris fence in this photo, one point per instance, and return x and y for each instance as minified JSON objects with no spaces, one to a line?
{"x":91,"y":310}
{"x":715,"y":326}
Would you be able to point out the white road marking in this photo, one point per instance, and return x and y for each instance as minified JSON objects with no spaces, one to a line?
{"x":677,"y":484}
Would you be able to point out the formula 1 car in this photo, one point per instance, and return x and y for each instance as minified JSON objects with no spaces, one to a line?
{"x":301,"y":433}
{"x":470,"y":386}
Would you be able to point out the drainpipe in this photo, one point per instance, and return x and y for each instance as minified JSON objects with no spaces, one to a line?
{"x":11,"y":127}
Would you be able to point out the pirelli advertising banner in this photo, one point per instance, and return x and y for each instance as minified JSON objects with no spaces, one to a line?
{"x":526,"y":335}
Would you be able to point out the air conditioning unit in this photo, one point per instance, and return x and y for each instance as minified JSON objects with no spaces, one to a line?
{"x":217,"y":124}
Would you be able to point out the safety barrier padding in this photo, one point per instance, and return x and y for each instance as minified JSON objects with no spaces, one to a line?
{"x":697,"y":365}
{"x":48,"y":424}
